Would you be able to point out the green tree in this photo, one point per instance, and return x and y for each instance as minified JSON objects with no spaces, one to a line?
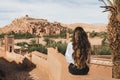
{"x":37,"y":47}
{"x":62,"y":47}
{"x":93,"y":34}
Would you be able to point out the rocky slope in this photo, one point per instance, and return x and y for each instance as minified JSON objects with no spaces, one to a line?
{"x":33,"y":26}
{"x":43,"y":27}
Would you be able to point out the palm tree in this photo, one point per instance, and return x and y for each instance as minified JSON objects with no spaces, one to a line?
{"x":113,"y":30}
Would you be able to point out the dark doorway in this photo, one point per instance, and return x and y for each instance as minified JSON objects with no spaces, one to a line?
{"x":10,"y":49}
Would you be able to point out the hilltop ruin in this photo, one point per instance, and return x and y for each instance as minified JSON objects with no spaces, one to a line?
{"x":34,"y":26}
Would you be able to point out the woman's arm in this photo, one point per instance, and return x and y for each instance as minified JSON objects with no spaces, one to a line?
{"x":68,"y":54}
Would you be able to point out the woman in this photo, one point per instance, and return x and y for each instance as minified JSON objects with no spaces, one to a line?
{"x":78,"y":52}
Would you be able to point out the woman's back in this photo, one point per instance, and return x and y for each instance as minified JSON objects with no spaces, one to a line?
{"x":81,"y":49}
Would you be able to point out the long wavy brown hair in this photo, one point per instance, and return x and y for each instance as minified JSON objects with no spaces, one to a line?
{"x":81,"y":47}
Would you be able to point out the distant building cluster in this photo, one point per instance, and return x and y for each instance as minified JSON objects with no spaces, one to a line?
{"x":34,"y":26}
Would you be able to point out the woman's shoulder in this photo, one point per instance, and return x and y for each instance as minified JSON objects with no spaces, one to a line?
{"x":70,"y":43}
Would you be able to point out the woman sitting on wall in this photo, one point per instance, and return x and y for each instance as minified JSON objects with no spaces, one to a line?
{"x":78,"y":53}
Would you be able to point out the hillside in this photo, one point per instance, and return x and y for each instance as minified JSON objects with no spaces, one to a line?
{"x":44,"y":27}
{"x":33,"y":26}
{"x":87,"y":27}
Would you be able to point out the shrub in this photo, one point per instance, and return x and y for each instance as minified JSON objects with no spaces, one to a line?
{"x":102,"y":34}
{"x":33,"y":47}
{"x":52,"y":36}
{"x":104,"y":50}
{"x":20,"y":35}
{"x":37,"y":47}
{"x":48,"y":41}
{"x":62,"y":47}
{"x":70,"y":31}
{"x":63,"y":34}
{"x":2,"y":35}
{"x":26,"y":35}
{"x":22,"y":44}
{"x":33,"y":41}
{"x":98,"y":34}
{"x":93,"y":34}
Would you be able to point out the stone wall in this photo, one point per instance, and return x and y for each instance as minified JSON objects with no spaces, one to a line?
{"x":55,"y":65}
{"x":39,"y":59}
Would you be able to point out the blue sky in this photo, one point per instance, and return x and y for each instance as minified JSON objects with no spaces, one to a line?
{"x":64,"y":11}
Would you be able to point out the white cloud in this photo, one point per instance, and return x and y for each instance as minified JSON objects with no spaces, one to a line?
{"x":65,"y":11}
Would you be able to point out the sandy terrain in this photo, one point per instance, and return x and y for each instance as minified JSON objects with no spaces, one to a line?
{"x":87,"y":27}
{"x":93,"y":41}
{"x":95,"y":70}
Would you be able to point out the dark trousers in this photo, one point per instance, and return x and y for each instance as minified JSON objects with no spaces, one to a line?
{"x":75,"y":71}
